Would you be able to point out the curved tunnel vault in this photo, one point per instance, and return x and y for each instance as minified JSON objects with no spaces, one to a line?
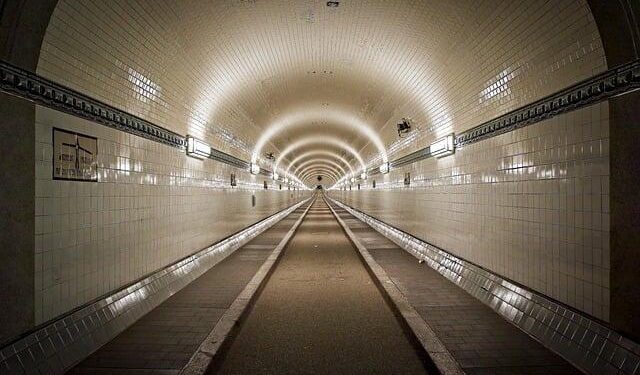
{"x":345,"y":74}
{"x":534,"y":192}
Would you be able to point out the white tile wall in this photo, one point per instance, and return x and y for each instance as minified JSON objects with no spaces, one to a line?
{"x":151,"y":206}
{"x":228,"y":70}
{"x":531,"y":205}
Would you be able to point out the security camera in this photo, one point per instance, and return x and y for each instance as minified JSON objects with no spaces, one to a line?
{"x":404,"y":127}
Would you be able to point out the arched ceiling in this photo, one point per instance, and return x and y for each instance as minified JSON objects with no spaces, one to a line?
{"x":337,"y":166}
{"x":257,"y":76}
{"x":318,"y":166}
{"x":310,"y":176}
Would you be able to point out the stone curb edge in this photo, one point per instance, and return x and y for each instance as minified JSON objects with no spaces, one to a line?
{"x":203,"y":357}
{"x":438,"y":353}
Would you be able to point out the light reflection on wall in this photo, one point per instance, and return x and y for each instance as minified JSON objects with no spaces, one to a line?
{"x":497,"y":87}
{"x":145,"y":88}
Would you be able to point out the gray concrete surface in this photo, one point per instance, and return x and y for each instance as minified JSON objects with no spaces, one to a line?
{"x":225,"y":327}
{"x":163,"y":341}
{"x":320,"y":313}
{"x":480,"y":340}
{"x":442,"y":359}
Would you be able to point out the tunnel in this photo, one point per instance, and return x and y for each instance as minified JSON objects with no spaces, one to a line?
{"x":319,"y":187}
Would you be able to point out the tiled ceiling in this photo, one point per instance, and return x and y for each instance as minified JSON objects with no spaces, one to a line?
{"x":241,"y":72}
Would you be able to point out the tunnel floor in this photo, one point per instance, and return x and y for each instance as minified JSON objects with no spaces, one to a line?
{"x":321,"y":313}
{"x":163,"y":341}
{"x":479,"y":339}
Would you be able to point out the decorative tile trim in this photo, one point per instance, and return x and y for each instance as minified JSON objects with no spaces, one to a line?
{"x":60,"y":344}
{"x":228,"y":159}
{"x":584,"y":342}
{"x":411,"y":158}
{"x":603,"y":86}
{"x":42,"y":91}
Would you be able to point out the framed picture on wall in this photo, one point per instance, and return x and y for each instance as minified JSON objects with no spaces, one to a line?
{"x":74,"y":156}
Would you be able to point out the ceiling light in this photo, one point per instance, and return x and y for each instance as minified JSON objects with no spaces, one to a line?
{"x":197,"y":148}
{"x":363,"y":176}
{"x":275,"y":176}
{"x":443,"y":147}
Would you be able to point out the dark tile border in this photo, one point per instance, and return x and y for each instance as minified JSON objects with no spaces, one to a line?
{"x":30,"y":86}
{"x":45,"y":92}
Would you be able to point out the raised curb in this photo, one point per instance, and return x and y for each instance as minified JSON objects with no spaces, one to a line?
{"x":441,"y":357}
{"x":202,"y":358}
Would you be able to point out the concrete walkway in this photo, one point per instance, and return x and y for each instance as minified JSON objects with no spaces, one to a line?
{"x":479,"y":339}
{"x":163,"y":341}
{"x":320,"y":313}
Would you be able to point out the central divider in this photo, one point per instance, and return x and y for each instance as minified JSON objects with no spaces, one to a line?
{"x":203,"y":357}
{"x":320,"y":312}
{"x":438,"y":353}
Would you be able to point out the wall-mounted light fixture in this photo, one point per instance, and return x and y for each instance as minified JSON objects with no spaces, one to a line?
{"x":197,"y":148}
{"x":353,"y":179}
{"x":363,"y":176}
{"x":255,"y":168}
{"x":443,"y":147}
{"x":384,"y":168}
{"x":275,"y":176}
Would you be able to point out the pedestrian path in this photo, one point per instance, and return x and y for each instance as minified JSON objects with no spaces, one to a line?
{"x":163,"y":341}
{"x":479,"y":339}
{"x":321,"y":313}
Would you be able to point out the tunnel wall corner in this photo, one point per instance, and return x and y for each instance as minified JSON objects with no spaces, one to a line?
{"x":22,"y":27}
{"x":618,"y":25}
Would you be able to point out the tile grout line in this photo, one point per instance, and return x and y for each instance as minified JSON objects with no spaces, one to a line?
{"x":438,"y":353}
{"x":204,"y":355}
